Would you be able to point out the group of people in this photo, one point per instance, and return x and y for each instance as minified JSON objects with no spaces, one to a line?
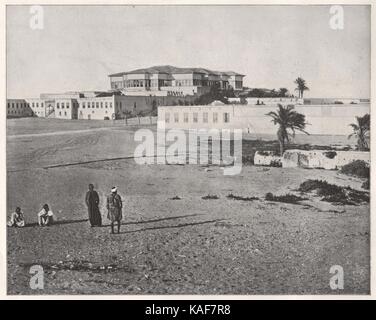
{"x":114,"y":207}
{"x":46,"y":217}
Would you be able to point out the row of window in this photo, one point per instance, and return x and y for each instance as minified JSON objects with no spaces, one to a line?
{"x":147,"y":83}
{"x":93,"y":112}
{"x":16,"y":105}
{"x":19,"y":112}
{"x":62,"y":105}
{"x":24,"y":105}
{"x":36,"y":105}
{"x":195,"y":117}
{"x":180,"y":83}
{"x":96,"y":104}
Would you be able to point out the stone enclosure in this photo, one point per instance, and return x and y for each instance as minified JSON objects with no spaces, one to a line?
{"x":324,"y":159}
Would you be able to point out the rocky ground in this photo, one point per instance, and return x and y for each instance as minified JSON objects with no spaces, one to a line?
{"x":172,"y":240}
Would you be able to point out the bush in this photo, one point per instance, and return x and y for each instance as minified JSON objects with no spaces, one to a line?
{"x":276,"y":163}
{"x":357,"y":168}
{"x":333,"y":193}
{"x":267,"y":153}
{"x":365,"y":184}
{"x":287,"y":198}
{"x":210,"y":197}
{"x":330,"y":154}
{"x":323,"y":188}
{"x":231,"y":196}
{"x":348,"y":196}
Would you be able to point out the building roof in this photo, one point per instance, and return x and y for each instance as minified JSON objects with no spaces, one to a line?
{"x":167,"y":69}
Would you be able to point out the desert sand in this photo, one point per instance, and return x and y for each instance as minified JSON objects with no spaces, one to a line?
{"x":166,"y":246}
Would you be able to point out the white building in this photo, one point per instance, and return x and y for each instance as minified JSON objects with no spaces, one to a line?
{"x":98,"y":108}
{"x":253,"y":119}
{"x":169,"y":80}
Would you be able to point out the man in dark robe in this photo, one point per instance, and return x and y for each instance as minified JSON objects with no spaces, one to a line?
{"x":114,"y":207}
{"x":92,"y":202}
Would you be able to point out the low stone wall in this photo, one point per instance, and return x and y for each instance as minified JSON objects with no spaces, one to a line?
{"x":274,"y":101}
{"x":267,"y":158}
{"x":325,"y":159}
{"x":141,"y":120}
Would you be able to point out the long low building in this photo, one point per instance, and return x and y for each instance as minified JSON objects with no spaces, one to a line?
{"x":18,"y":108}
{"x":90,"y":106}
{"x":62,"y":108}
{"x":321,"y":119}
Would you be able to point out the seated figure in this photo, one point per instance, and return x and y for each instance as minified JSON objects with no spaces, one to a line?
{"x":45,"y":216}
{"x":17,"y":219}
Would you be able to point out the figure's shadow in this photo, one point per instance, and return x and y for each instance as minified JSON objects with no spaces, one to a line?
{"x":62,"y":222}
{"x":59,"y":222}
{"x":173,"y":226}
{"x":155,"y":220}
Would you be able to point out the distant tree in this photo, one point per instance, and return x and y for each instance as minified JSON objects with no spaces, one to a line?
{"x":273,"y":93}
{"x":128,"y":113}
{"x":257,"y":93}
{"x":243,"y":100}
{"x":361,"y":130}
{"x":283,"y":92}
{"x":214,"y":94}
{"x":287,"y":120}
{"x":229,"y":92}
{"x":154,"y":105}
{"x":301,"y":86}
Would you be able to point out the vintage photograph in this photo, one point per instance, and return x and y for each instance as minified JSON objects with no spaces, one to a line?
{"x":188,"y":150}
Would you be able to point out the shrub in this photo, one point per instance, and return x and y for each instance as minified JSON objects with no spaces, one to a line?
{"x":347,"y":196}
{"x":322,"y":188}
{"x":231,"y":196}
{"x":210,"y":197}
{"x":287,"y":198}
{"x":276,"y":163}
{"x":365,"y":184}
{"x":330,"y":154}
{"x":267,"y":153}
{"x":357,"y":168}
{"x":334,"y":193}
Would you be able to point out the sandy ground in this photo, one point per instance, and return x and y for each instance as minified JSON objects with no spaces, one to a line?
{"x":187,"y":246}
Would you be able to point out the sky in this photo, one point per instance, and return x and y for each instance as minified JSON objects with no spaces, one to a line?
{"x":79,"y":46}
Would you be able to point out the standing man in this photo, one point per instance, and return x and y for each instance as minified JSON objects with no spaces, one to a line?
{"x":92,"y":202}
{"x":114,"y":207}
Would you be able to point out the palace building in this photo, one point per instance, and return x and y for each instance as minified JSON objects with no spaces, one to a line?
{"x":169,"y":80}
{"x":135,"y":93}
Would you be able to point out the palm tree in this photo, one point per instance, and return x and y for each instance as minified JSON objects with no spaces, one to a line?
{"x":362,"y":131}
{"x":301,"y":86}
{"x":287,"y":119}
